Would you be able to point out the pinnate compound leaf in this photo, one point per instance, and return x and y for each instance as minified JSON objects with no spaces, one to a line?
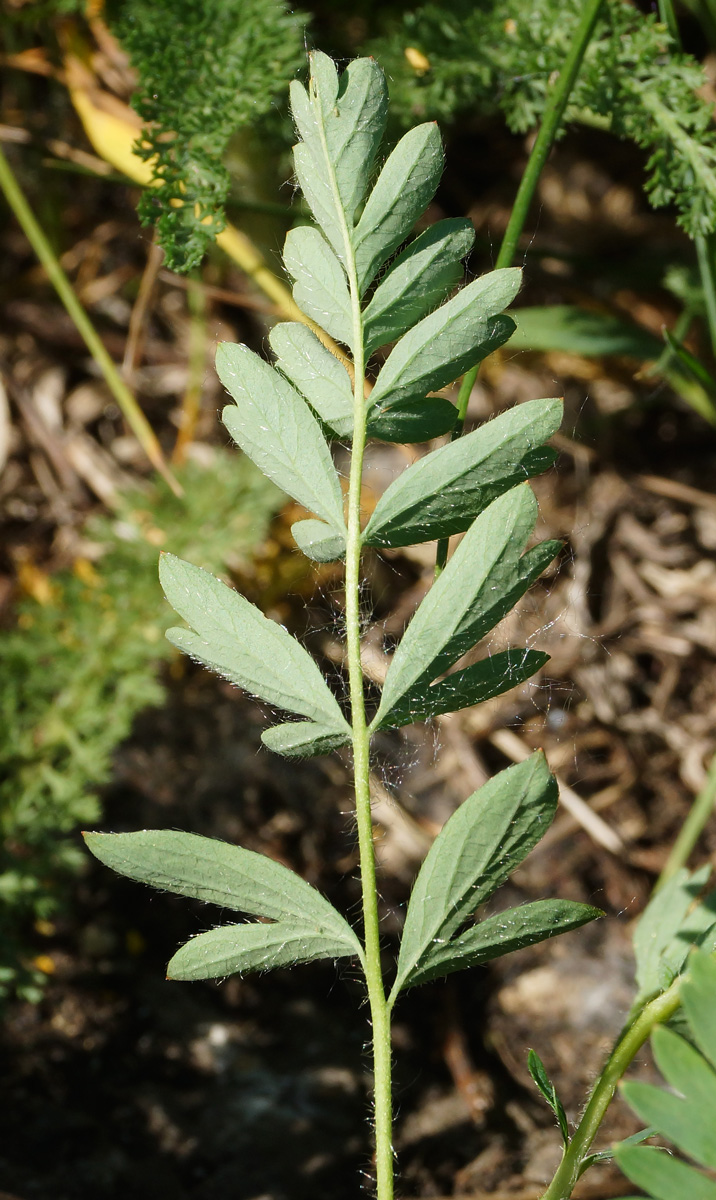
{"x":304,"y":739}
{"x":544,"y":1084}
{"x":659,"y":926}
{"x":316,"y":373}
{"x":472,"y":685}
{"x":443,"y":492}
{"x":476,"y":850}
{"x":320,"y":286}
{"x":240,"y":949}
{"x":420,"y":278}
{"x":318,"y":541}
{"x":448,"y":341}
{"x":480,"y":584}
{"x":229,"y":876}
{"x":412,"y":420}
{"x":662,"y":1176}
{"x":402,"y":192}
{"x":272,"y":424}
{"x":502,"y":934}
{"x":344,"y":118}
{"x":237,"y":641}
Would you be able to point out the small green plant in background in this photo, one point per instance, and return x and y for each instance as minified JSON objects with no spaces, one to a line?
{"x":81,"y":664}
{"x":283,"y":418}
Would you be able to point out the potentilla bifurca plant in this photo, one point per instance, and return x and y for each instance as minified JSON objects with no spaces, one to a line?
{"x":363,"y":281}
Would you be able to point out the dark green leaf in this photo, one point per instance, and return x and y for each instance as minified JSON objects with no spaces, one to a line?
{"x":479,"y":846}
{"x":662,"y":1176}
{"x":304,"y":739}
{"x":481,"y":582}
{"x":320,"y":287}
{"x":240,"y":949}
{"x":472,"y":685}
{"x":443,"y":492}
{"x":454,"y":337}
{"x":536,"y":1068}
{"x":421,"y":277}
{"x":234,"y":638}
{"x":272,"y":424}
{"x":502,"y":934}
{"x":317,"y":374}
{"x":402,"y":192}
{"x":206,"y":869}
{"x":412,"y":421}
{"x":318,"y":540}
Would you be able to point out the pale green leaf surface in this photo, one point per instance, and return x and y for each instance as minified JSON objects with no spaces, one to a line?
{"x":502,"y":934}
{"x":684,"y":1068}
{"x":443,"y":492}
{"x":234,"y":638}
{"x":273,"y":425}
{"x":316,"y":373}
{"x":659,"y":924}
{"x":476,"y":850}
{"x":402,"y":192}
{"x":662,"y":1176}
{"x":240,"y":949}
{"x":318,"y":193}
{"x":472,"y":685}
{"x":419,"y":279}
{"x":320,"y":288}
{"x":412,"y":420}
{"x":480,"y":583}
{"x":304,"y":739}
{"x":580,"y":331}
{"x":697,"y":997}
{"x":229,"y":876}
{"x":688,"y":1126}
{"x":448,"y":341}
{"x":318,"y":541}
{"x":697,"y":929}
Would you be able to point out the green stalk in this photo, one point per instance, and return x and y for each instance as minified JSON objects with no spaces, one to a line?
{"x":705,"y":257}
{"x":656,"y":1012}
{"x":377,"y":1000}
{"x":551,"y":121}
{"x":35,"y":235}
{"x":692,"y":828}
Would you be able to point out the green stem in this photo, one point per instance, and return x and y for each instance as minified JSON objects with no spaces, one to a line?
{"x":705,"y":256}
{"x":667,"y":16}
{"x":35,"y":235}
{"x":551,"y":121}
{"x":377,"y":1000}
{"x":656,"y":1012}
{"x":692,"y":828}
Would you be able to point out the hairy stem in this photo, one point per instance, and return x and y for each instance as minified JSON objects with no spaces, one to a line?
{"x":35,"y":235}
{"x":654,"y":1013}
{"x":551,"y":121}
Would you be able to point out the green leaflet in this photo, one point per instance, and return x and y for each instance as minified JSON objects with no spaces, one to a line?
{"x":318,"y":540}
{"x":229,"y":876}
{"x":419,"y":279}
{"x":232,"y":637}
{"x":317,"y":374}
{"x":502,"y":934}
{"x":402,"y":192}
{"x":412,"y":420}
{"x":481,"y":582}
{"x":320,"y":287}
{"x":697,"y":997}
{"x":443,"y":345}
{"x":443,"y":492}
{"x":472,"y":685}
{"x":662,"y":1176}
{"x":341,"y":124}
{"x":657,"y":936}
{"x":478,"y":847}
{"x":544,"y":1084}
{"x":304,"y":739}
{"x":682,"y":1120}
{"x":271,"y":423}
{"x":579,"y":331}
{"x":240,"y":949}
{"x":685,"y":1069}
